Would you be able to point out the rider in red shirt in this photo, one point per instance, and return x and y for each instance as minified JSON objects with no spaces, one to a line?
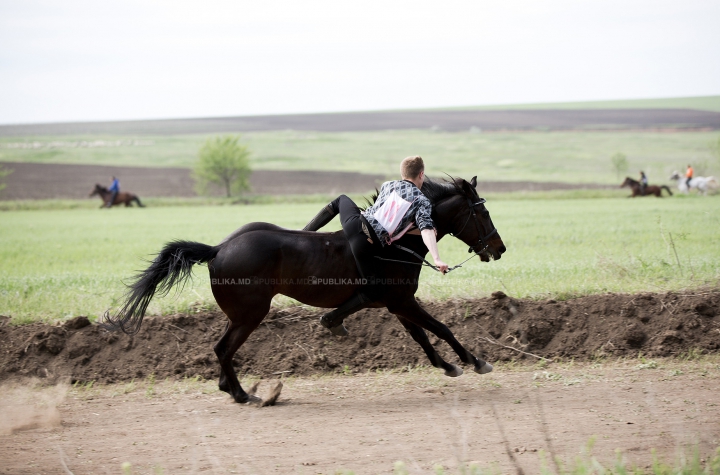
{"x":688,"y":175}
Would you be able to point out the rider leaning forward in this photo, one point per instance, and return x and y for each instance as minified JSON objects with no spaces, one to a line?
{"x":400,"y":206}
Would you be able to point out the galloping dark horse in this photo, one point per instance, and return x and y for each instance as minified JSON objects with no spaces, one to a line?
{"x":121,"y":198}
{"x":260,"y":260}
{"x":649,"y":190}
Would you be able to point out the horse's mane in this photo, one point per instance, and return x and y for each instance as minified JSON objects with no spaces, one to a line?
{"x":434,"y":191}
{"x":100,"y":187}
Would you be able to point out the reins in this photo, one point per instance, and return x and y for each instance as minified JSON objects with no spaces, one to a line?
{"x":424,"y":261}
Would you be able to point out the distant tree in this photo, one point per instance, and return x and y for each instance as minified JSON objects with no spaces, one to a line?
{"x":3,"y":173}
{"x":223,"y":162}
{"x":620,"y":163}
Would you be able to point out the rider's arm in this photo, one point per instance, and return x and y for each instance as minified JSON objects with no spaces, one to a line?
{"x":427,"y":231}
{"x":428,"y":236}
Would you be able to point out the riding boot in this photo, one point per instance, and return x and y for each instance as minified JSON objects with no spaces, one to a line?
{"x":323,"y":217}
{"x":333,"y":320}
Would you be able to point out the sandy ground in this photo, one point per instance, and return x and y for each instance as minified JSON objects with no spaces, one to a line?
{"x":446,"y":120}
{"x":366,"y":423}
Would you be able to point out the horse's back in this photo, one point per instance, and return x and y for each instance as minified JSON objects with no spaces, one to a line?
{"x":261,"y":226}
{"x":264,"y":242}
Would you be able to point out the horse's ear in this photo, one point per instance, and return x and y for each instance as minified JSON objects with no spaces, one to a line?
{"x":467,"y":187}
{"x":473,"y":182}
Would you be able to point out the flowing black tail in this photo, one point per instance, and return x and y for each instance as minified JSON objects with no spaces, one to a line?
{"x":137,"y":200}
{"x":666,"y":188}
{"x":173,"y":265}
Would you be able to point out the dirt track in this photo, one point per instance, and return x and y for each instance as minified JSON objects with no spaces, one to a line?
{"x":362,"y":420}
{"x":31,"y":181}
{"x":366,"y":423}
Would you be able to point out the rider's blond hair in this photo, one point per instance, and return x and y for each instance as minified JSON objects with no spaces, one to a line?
{"x":411,"y":167}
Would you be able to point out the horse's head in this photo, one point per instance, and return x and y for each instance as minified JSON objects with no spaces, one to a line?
{"x":628,"y":182}
{"x":459,"y":211}
{"x":97,"y":190}
{"x":675,"y":176}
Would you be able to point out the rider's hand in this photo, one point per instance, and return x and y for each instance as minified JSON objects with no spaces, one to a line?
{"x":442,"y":267}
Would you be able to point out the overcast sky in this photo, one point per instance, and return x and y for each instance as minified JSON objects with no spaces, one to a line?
{"x":94,"y":60}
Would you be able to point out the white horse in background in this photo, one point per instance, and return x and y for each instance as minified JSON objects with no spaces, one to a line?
{"x":701,"y":183}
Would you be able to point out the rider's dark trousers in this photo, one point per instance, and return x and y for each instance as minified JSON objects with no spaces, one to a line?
{"x":355,"y":227}
{"x":113,"y":195}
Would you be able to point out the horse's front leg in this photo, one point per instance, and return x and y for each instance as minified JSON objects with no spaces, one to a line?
{"x":419,"y":335}
{"x":413,"y":312}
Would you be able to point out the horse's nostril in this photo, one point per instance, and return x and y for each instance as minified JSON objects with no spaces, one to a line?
{"x":502,"y":249}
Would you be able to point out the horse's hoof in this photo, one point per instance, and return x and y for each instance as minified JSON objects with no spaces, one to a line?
{"x":454,"y":372}
{"x":484,"y":369}
{"x":339,"y":330}
{"x":253,"y":401}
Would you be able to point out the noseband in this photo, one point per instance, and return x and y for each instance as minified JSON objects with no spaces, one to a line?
{"x":482,"y":241}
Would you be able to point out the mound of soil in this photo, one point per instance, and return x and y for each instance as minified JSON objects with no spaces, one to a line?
{"x":290,"y":340}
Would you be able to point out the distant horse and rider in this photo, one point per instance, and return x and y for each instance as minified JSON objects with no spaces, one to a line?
{"x":261,"y":260}
{"x":701,"y":183}
{"x":113,"y":196}
{"x":638,"y":189}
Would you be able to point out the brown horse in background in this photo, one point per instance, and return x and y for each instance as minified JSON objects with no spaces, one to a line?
{"x":121,"y":198}
{"x":649,"y":190}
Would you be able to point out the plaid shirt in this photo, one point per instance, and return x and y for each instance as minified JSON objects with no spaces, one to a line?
{"x":418,"y":213}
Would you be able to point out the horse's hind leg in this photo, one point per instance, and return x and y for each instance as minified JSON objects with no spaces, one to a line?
{"x":419,"y":335}
{"x":242,"y":324}
{"x":222,"y":383}
{"x":413,"y":312}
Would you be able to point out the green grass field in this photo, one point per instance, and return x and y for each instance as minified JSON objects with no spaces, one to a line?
{"x":577,"y":157}
{"x":57,"y":264}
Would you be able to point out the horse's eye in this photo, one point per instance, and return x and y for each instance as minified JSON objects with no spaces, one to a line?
{"x":485,"y":213}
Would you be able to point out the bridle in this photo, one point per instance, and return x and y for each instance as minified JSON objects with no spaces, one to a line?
{"x":481,"y":240}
